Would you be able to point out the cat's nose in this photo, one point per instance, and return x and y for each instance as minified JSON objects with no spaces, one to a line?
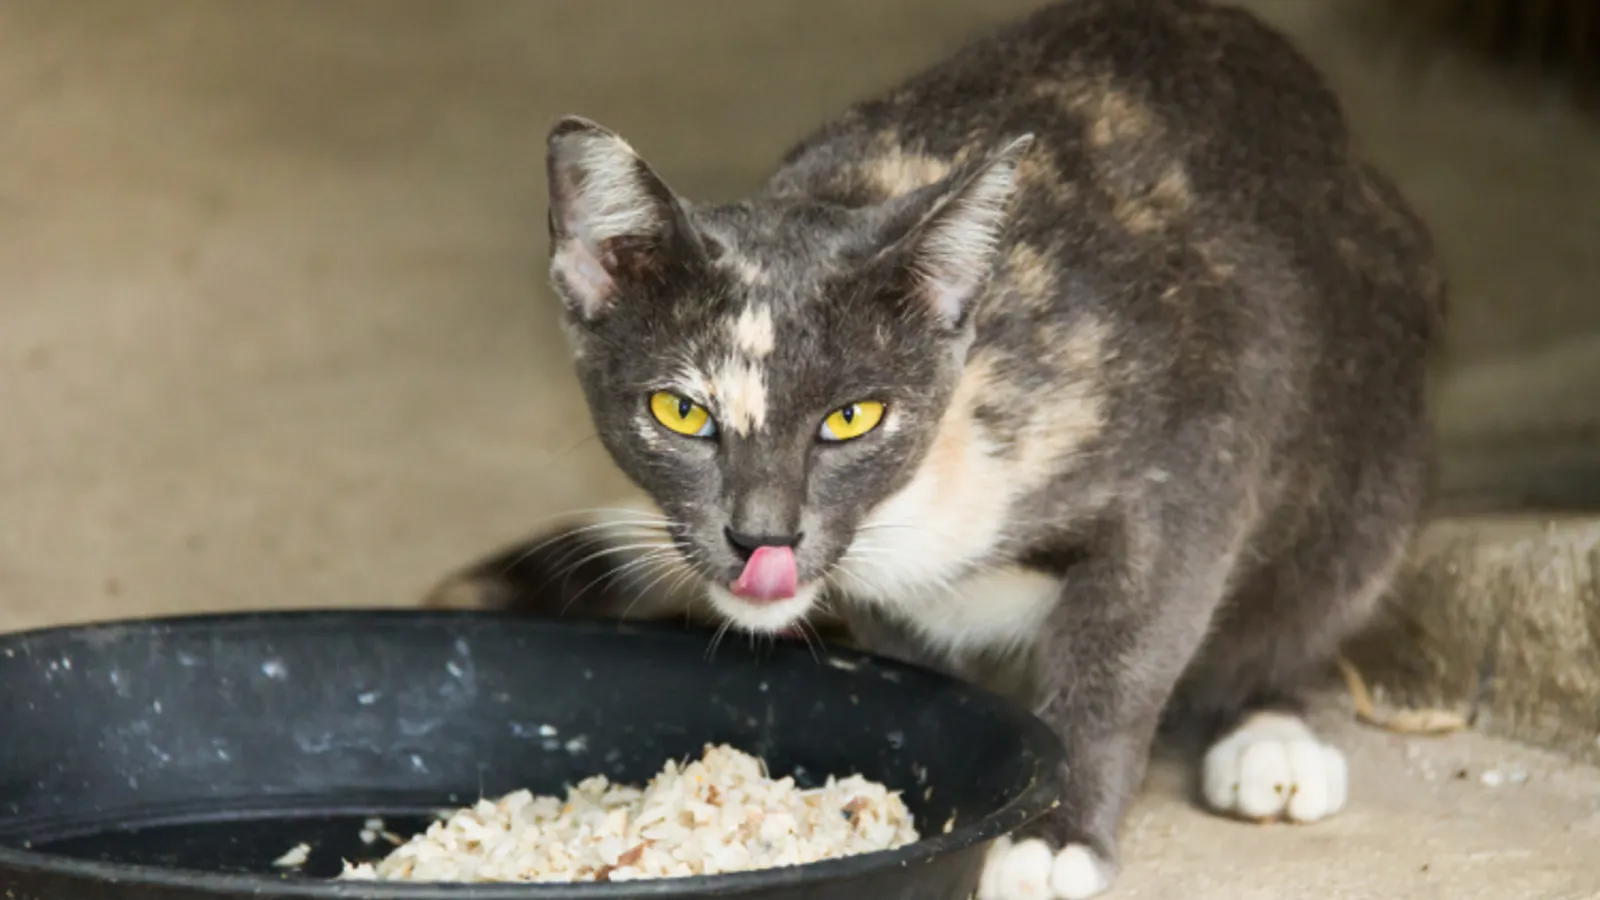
{"x":746,"y":544}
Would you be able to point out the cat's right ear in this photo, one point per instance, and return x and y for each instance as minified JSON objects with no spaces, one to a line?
{"x":612,"y":220}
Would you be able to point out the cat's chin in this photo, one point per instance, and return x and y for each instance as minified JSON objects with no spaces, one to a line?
{"x":766,"y":617}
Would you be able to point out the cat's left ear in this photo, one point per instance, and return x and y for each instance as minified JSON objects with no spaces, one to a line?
{"x":613,"y":222}
{"x":950,"y":253}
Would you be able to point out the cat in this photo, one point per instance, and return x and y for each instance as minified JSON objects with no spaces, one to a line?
{"x":1088,"y":363}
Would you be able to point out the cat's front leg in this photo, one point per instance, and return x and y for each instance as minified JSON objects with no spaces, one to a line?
{"x":1110,"y":653}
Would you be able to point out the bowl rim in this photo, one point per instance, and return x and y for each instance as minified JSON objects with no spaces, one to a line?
{"x":1038,"y":796}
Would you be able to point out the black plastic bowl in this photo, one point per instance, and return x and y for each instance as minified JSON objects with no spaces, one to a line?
{"x":177,"y":758}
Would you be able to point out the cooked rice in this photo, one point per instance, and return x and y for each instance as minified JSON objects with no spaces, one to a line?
{"x":373,"y":829}
{"x":294,"y":858}
{"x":721,"y":813}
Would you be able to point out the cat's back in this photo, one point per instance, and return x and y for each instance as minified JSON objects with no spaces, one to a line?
{"x":1192,"y":175}
{"x":1193,"y":234}
{"x":1119,"y":94}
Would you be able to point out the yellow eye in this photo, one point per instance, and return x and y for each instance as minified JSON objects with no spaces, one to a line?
{"x":850,"y":422}
{"x":682,"y":415}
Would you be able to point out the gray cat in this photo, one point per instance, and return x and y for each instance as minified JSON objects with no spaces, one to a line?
{"x":1088,"y":363}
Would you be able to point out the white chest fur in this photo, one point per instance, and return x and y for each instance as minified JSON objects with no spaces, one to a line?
{"x":995,"y":608}
{"x":923,"y":563}
{"x":922,"y":553}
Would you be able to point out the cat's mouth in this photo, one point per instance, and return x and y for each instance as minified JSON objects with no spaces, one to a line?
{"x":768,"y":594}
{"x":769,"y":575}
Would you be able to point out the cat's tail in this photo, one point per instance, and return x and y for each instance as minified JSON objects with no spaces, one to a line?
{"x":614,"y":563}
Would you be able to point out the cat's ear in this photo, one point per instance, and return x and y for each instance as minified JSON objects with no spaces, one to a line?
{"x":612,"y":220}
{"x":949,"y":254}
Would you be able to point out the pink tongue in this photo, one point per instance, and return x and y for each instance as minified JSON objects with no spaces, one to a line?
{"x":769,"y":575}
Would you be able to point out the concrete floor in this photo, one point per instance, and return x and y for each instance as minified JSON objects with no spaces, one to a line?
{"x":274,"y":330}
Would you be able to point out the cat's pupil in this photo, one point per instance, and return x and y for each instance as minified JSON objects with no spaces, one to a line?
{"x":848,"y":414}
{"x":684,"y":408}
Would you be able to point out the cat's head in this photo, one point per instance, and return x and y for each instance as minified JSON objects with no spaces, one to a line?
{"x":769,"y":372}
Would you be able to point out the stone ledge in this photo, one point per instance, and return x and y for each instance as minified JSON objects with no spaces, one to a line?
{"x":1497,"y":616}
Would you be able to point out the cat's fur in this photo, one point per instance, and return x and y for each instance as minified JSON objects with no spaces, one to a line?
{"x":1156,"y":434}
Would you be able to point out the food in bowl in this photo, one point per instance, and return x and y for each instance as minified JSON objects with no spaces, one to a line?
{"x":721,"y":813}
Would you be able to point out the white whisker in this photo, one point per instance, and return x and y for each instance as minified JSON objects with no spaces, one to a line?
{"x":644,"y":528}
{"x":711,"y":650}
{"x":641,"y":593}
{"x":567,"y":572}
{"x":806,"y":631}
{"x":654,"y":557}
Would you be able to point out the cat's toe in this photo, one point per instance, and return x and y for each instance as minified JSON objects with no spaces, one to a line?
{"x":1078,"y":873}
{"x":1029,"y":870}
{"x":1018,"y":871}
{"x":1273,"y":767}
{"x":989,"y":884}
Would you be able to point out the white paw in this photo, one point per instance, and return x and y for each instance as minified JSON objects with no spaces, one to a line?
{"x":1028,"y":870}
{"x":1273,"y":767}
